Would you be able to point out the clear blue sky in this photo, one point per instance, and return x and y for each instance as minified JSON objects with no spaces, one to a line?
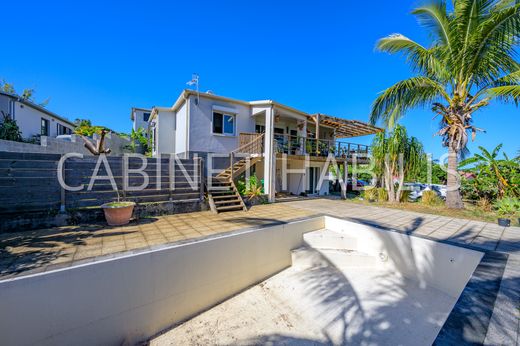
{"x":98,"y":59}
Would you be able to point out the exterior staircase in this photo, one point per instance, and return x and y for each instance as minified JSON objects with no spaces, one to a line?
{"x":223,"y":195}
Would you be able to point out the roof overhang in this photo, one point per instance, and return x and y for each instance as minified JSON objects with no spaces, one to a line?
{"x":347,"y":128}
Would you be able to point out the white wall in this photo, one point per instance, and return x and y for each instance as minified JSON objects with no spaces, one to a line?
{"x":181,"y":118}
{"x":201,"y":126}
{"x":165,"y":132}
{"x":445,"y":267}
{"x":29,"y":121}
{"x":139,"y":120}
{"x":128,"y":299}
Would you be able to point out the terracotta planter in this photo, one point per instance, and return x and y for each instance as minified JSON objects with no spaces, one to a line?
{"x":118,"y":213}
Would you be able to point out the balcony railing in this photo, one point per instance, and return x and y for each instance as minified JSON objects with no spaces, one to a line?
{"x":296,"y":145}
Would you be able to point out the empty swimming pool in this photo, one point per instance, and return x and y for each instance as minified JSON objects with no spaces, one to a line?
{"x":348,"y":284}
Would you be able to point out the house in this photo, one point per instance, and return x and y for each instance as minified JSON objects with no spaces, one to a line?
{"x":260,"y":132}
{"x":140,"y":117}
{"x":32,"y":119}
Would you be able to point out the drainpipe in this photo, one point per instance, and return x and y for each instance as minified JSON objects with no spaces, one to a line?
{"x":188,"y":109}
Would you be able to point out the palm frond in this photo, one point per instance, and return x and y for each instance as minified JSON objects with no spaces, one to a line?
{"x":404,"y":95}
{"x":506,"y":93}
{"x":435,"y":17}
{"x":422,"y":60}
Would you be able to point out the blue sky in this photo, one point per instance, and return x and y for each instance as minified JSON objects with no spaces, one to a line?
{"x":98,"y":59}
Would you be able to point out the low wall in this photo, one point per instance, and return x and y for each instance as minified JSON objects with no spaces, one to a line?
{"x":50,"y":145}
{"x":129,"y":299}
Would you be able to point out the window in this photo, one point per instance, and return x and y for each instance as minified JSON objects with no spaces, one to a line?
{"x":62,"y":130}
{"x":44,"y":127}
{"x":223,"y":124}
{"x":260,"y":129}
{"x":146,"y":116}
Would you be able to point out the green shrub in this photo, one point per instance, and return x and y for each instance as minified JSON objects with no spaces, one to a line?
{"x":382,"y":194}
{"x":9,"y":130}
{"x":405,"y":196}
{"x":430,"y":198}
{"x":507,"y":206}
{"x":377,"y":194}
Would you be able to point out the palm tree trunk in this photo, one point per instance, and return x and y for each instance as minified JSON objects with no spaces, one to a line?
{"x":453,"y":197}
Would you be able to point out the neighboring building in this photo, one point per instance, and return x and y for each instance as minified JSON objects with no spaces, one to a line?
{"x":140,"y":117}
{"x":32,"y":119}
{"x":206,"y":123}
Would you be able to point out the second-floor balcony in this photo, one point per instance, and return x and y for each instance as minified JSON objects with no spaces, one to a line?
{"x":301,"y":146}
{"x":296,"y":145}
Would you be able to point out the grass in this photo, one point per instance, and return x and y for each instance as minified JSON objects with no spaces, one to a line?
{"x":470,"y":211}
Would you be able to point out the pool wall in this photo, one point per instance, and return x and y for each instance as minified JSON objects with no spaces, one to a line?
{"x":132,"y":297}
{"x":445,"y":267}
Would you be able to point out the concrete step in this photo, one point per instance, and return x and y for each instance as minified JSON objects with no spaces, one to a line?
{"x":327,"y":239}
{"x":307,"y":257}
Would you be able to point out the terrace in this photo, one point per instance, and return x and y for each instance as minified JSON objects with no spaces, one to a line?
{"x":85,"y":252}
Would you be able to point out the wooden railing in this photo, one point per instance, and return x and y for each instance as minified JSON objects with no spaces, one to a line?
{"x":250,"y":143}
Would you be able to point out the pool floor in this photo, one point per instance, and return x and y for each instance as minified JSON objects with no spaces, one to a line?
{"x":322,"y":302}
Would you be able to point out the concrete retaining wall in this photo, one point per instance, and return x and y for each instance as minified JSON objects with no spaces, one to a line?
{"x":129,"y":299}
{"x":51,"y":145}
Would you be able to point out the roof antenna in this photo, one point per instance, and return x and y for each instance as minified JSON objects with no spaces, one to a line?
{"x":195,"y":81}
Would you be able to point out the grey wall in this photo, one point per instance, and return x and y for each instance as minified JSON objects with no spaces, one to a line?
{"x":51,"y":145}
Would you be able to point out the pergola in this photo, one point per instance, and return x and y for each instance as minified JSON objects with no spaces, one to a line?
{"x":345,"y":128}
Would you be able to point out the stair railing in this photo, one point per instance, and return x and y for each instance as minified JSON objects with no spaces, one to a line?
{"x":246,"y":146}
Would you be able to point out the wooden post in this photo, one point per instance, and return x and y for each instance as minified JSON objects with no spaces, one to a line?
{"x":62,"y":191}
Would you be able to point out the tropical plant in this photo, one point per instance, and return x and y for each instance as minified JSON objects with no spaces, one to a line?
{"x":501,"y":171}
{"x":507,"y":206}
{"x":27,"y":94}
{"x":430,"y":198}
{"x":139,"y":136}
{"x":9,"y":129}
{"x":469,"y":63}
{"x":396,"y":155}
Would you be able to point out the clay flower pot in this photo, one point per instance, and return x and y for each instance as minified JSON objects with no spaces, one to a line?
{"x":118,"y":213}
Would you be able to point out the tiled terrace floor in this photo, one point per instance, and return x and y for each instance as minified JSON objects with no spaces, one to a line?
{"x":36,"y":251}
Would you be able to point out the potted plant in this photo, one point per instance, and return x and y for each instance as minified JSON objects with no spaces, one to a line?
{"x":118,"y":213}
{"x":507,"y":207}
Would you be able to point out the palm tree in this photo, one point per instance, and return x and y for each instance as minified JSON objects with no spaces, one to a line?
{"x":469,"y":63}
{"x":396,"y":155}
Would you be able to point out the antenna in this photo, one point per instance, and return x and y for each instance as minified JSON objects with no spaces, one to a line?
{"x":195,"y":81}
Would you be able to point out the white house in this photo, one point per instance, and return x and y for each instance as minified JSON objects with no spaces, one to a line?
{"x":140,"y":117}
{"x":286,"y":139}
{"x":33,"y":119}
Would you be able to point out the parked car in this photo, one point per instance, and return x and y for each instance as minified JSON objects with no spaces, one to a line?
{"x":416,"y":190}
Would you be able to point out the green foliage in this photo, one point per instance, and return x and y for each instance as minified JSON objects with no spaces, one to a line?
{"x":252,"y":190}
{"x":139,"y":136}
{"x":394,"y":154}
{"x":9,"y":129}
{"x":405,"y":196}
{"x":430,"y":198}
{"x":507,"y":206}
{"x":376,"y":194}
{"x":470,"y":61}
{"x":439,"y":175}
{"x":84,"y":127}
{"x":493,"y":177}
